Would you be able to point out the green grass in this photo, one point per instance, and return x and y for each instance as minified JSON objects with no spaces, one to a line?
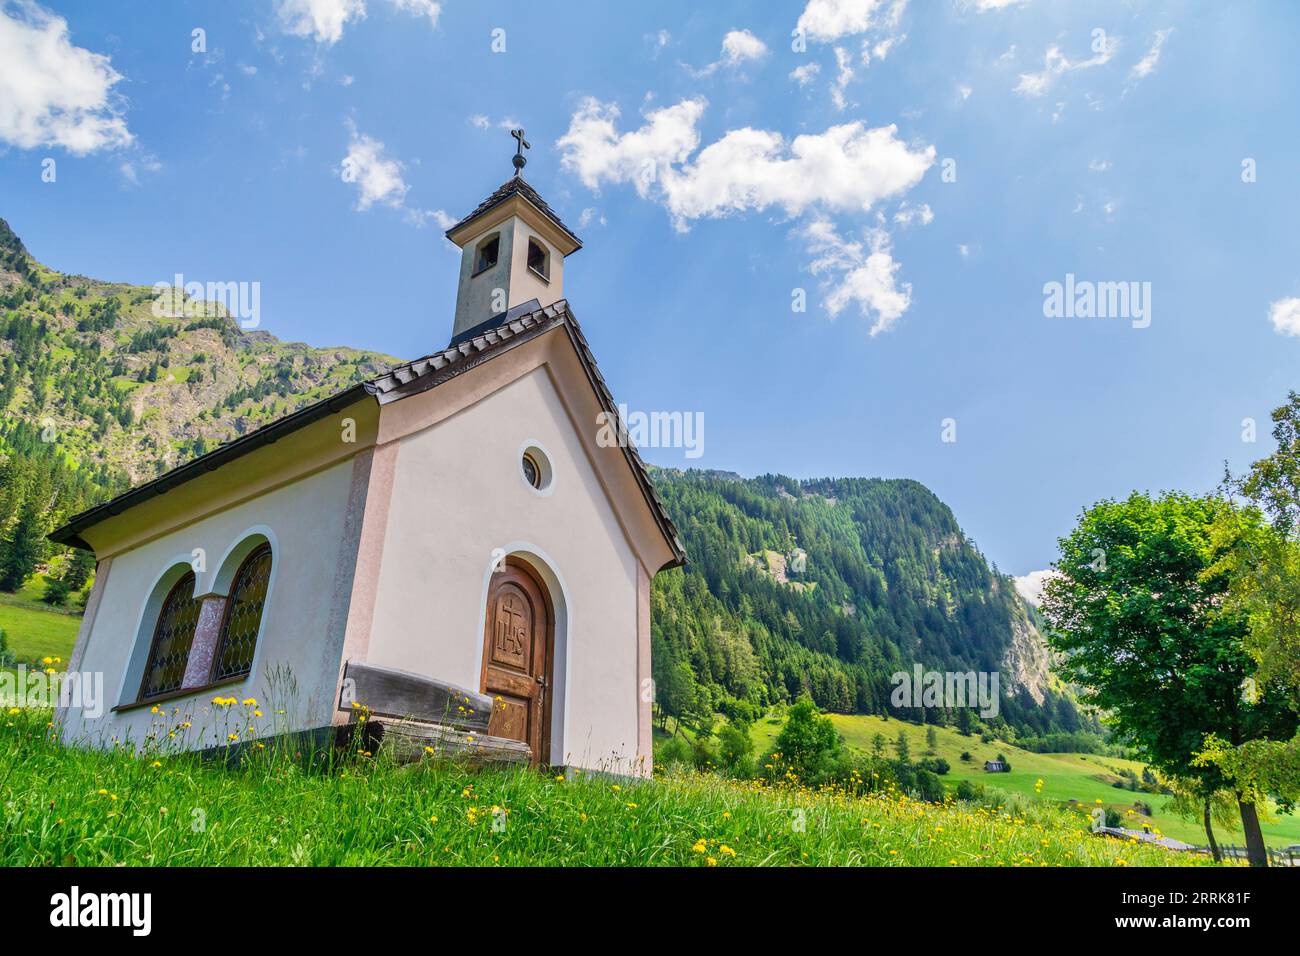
{"x":1085,"y":778}
{"x":72,"y":807}
{"x":34,"y":630}
{"x":33,"y":633}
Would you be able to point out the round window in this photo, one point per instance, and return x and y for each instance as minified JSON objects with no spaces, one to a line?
{"x":535,"y":467}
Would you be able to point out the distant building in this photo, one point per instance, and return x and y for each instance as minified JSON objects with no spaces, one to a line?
{"x":996,"y":766}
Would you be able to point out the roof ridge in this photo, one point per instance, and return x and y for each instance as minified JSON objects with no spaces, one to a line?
{"x":517,"y":186}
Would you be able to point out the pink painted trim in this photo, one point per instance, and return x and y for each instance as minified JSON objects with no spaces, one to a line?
{"x":369,"y":560}
{"x":341,"y":592}
{"x":644,"y":681}
{"x":207,"y":632}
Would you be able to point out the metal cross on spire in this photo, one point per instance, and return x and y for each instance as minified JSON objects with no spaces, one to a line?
{"x":523,"y":144}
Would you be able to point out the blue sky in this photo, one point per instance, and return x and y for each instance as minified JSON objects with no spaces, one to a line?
{"x":920,"y":170}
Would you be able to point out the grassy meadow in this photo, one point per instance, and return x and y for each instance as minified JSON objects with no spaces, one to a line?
{"x":33,"y":630}
{"x":71,"y":807}
{"x":1085,"y":778}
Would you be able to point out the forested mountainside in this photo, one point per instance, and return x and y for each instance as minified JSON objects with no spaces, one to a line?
{"x":98,"y":393}
{"x":887,"y":580}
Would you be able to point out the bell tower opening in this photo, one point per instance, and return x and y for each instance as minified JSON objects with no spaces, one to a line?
{"x":486,"y":254}
{"x":539,"y":260}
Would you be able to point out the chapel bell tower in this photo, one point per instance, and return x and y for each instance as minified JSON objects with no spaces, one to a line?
{"x":513,"y":248}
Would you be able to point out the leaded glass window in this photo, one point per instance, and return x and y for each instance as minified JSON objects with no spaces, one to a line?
{"x":169,"y":654}
{"x":238,"y":639}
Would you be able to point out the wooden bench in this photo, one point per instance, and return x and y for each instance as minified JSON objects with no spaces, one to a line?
{"x":407,"y":713}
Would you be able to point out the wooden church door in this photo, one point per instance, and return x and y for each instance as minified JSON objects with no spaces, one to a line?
{"x":516,"y":658}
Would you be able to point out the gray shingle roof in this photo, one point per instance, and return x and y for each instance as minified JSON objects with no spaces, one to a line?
{"x":517,"y":186}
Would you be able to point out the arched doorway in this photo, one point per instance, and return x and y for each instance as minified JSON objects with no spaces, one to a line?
{"x":518,"y":646}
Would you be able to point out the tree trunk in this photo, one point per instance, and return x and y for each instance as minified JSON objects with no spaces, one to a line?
{"x":1209,"y":834}
{"x":1256,"y":852}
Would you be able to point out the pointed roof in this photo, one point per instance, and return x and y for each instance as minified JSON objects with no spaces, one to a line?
{"x":401,"y":381}
{"x":517,"y":186}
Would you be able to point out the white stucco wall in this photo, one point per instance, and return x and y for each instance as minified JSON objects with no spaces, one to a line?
{"x":458,"y":494}
{"x":304,"y":522}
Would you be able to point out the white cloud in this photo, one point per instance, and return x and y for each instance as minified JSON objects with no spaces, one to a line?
{"x":1030,"y":586}
{"x":843,"y":76}
{"x":1099,"y":165}
{"x":984,"y":6}
{"x":131,"y":168}
{"x":377,"y":177}
{"x":379,"y":180}
{"x":657,"y":42}
{"x":861,"y":273}
{"x":1056,"y":63}
{"x":825,"y":21}
{"x":908,"y":214}
{"x":595,"y":150}
{"x":590,"y":215}
{"x":803,"y":75}
{"x":738,"y":48}
{"x":963,"y":250}
{"x":422,"y":217}
{"x":479,"y":121}
{"x":880,"y":49}
{"x":848,"y":167}
{"x":324,"y":20}
{"x":51,"y":92}
{"x":964,"y":92}
{"x":420,"y":8}
{"x":741,"y":46}
{"x":1147,"y":65}
{"x":1285,"y":316}
{"x":828,"y":21}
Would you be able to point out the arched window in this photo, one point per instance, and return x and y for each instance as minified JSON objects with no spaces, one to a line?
{"x":539,"y":260}
{"x":238,"y":638}
{"x":169,"y":654}
{"x":485,"y":257}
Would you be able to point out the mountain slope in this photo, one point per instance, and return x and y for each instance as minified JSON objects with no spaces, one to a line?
{"x":117,"y":388}
{"x":888,"y":580}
